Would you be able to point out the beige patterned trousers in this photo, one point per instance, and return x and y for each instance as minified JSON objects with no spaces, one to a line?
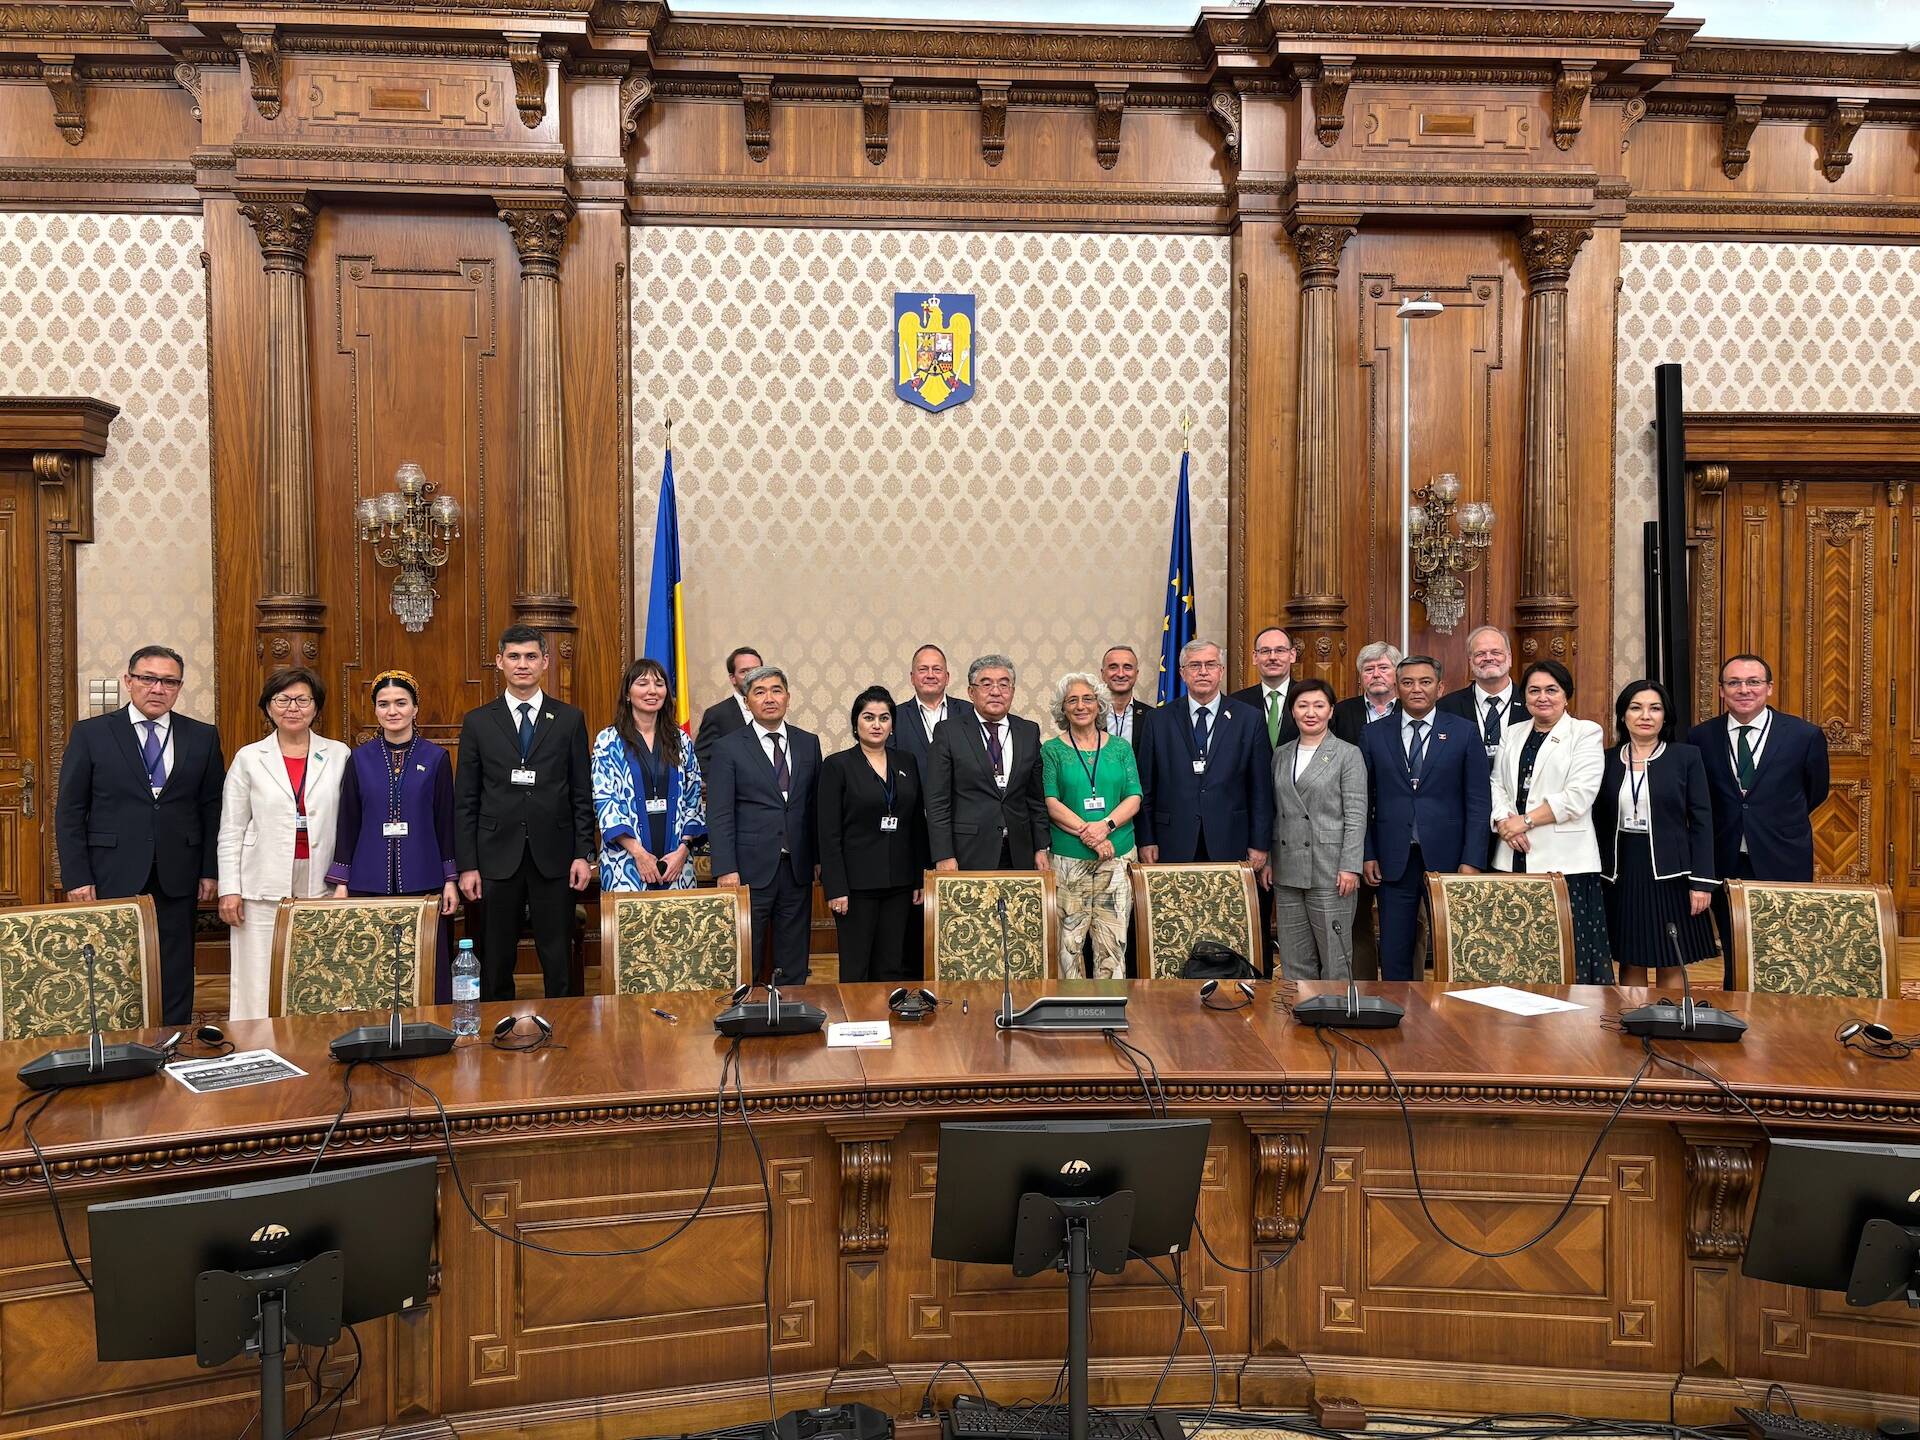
{"x":1095,"y":897}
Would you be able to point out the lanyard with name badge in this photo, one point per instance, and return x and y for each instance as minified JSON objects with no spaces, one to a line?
{"x":1095,"y":802}
{"x":1636,"y":787}
{"x":993,"y":728}
{"x":889,"y":822}
{"x":653,"y":773}
{"x":1733,"y":752}
{"x":394,"y":827}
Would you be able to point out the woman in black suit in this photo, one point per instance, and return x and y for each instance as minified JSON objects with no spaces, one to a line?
{"x":873,"y":843}
{"x":1654,"y":822}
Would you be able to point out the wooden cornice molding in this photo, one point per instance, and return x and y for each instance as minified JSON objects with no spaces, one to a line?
{"x":1864,"y":442}
{"x":37,"y":423}
{"x":1797,"y":63}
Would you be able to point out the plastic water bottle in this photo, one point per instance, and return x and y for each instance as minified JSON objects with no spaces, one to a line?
{"x":466,"y":991}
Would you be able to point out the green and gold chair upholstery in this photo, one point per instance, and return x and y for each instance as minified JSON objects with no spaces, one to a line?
{"x":1175,"y":905}
{"x":43,"y":980}
{"x":1501,"y":929}
{"x":963,"y":924}
{"x":656,"y":940}
{"x":1812,"y":939}
{"x":333,"y":955}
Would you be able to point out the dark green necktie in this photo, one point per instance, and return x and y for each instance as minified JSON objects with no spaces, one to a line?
{"x":1273,"y":718}
{"x":1743,"y":760}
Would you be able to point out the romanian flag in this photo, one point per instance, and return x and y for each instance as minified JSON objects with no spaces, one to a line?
{"x":1178,"y":626}
{"x":666,"y":615}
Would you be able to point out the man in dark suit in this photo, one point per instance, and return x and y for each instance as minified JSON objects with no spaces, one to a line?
{"x":986,"y":788}
{"x":723,"y":717}
{"x":1492,"y":701}
{"x":1430,"y":804}
{"x":138,"y":812}
{"x":1206,"y":773}
{"x":915,"y":720}
{"x":1273,"y":657}
{"x":1377,"y":665}
{"x":1767,"y":774}
{"x":1126,"y":714}
{"x":523,"y":817}
{"x":762,"y":804}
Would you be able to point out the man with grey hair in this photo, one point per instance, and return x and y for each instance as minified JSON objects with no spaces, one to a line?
{"x":1492,"y":702}
{"x":761,"y":790}
{"x":1378,"y":666}
{"x":1206,"y":771}
{"x":986,"y":793}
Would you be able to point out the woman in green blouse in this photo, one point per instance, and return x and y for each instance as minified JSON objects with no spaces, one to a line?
{"x":1093,"y":793}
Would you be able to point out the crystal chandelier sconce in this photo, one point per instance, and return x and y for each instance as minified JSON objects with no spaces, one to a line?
{"x":411,"y":530}
{"x":1448,"y":540}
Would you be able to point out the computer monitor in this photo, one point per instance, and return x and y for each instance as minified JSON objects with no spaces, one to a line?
{"x":985,"y":1168}
{"x":1819,"y":1200}
{"x":148,"y":1254}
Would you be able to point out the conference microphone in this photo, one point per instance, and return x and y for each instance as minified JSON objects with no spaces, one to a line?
{"x":1089,"y":1014}
{"x":98,"y":1063}
{"x":396,"y":1040}
{"x":1663,"y":1020}
{"x":1353,"y":1010}
{"x":767,"y":1017}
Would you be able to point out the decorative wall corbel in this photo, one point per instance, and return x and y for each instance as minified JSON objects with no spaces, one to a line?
{"x":1330,"y":84}
{"x":189,"y":79}
{"x":69,"y":99}
{"x":1109,"y":104}
{"x":636,"y":93}
{"x":993,"y":119}
{"x":876,"y":97}
{"x":262,"y":49}
{"x":529,"y":78}
{"x":1571,"y":87}
{"x":1743,"y":114}
{"x":1631,"y":114}
{"x":1223,"y":108}
{"x":1836,"y":136}
{"x":756,"y":98}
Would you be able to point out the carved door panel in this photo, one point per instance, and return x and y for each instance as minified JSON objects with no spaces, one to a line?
{"x":24,"y":801}
{"x":1902,"y":690}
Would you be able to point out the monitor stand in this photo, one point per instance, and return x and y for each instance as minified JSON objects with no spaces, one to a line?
{"x":257,"y":1310}
{"x":1886,"y":1265}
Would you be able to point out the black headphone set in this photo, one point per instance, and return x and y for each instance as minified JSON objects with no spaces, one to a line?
{"x":1209,"y":989}
{"x":211,"y":1036}
{"x":540,"y":1040}
{"x":910,"y":1002}
{"x":1870,"y":1038}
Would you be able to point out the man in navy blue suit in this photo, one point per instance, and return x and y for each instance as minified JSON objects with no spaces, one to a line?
{"x":1767,"y":774}
{"x":1205,"y":772}
{"x":761,"y":808}
{"x":1430,"y":807}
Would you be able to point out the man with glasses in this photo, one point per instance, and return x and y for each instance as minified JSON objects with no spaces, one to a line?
{"x":1491,"y":702}
{"x":138,"y":812}
{"x":986,"y":786}
{"x":1766,"y":774}
{"x":1273,"y":657}
{"x":1207,"y":775}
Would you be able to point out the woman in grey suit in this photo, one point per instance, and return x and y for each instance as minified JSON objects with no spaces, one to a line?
{"x":1319,"y":835}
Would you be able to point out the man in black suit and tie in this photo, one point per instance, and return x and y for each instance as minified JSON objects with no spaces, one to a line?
{"x":915,"y":720}
{"x":1767,"y":774}
{"x":523,"y":816}
{"x":1126,"y":715}
{"x":723,"y":717}
{"x":986,"y":787}
{"x":138,"y":811}
{"x":1273,"y":657}
{"x":1378,"y":667}
{"x":1206,"y":773}
{"x":761,"y":822}
{"x":1492,"y":701}
{"x":1430,"y":806}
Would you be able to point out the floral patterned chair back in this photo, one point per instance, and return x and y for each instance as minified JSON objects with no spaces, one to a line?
{"x":963,"y":924}
{"x":43,"y":977}
{"x":658,"y":940}
{"x":331,"y":955}
{"x":1175,"y":905}
{"x":1812,"y":939}
{"x":1501,"y":929}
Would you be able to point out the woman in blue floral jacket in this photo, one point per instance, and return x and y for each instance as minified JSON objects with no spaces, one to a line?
{"x":646,"y":788}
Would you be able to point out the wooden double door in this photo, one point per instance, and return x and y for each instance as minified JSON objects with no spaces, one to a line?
{"x":1819,"y":575}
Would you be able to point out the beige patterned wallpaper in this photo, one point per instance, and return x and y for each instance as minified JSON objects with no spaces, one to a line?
{"x":836,"y":527}
{"x":113,"y":307}
{"x":1758,"y":326}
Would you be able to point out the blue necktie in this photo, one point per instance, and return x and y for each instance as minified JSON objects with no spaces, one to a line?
{"x":1491,"y":729}
{"x":154,"y":753}
{"x":526,"y":729}
{"x":1200,"y":730}
{"x":1417,"y":751}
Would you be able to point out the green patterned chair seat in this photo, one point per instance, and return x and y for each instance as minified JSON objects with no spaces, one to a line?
{"x":674,"y":940}
{"x":1812,"y":939}
{"x":333,"y":955}
{"x":43,"y":979}
{"x":963,"y":924}
{"x":1502,"y":929}
{"x":1175,"y":905}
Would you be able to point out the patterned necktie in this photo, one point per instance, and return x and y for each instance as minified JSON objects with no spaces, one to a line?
{"x":154,"y":753}
{"x":994,"y":753}
{"x":1200,"y":725}
{"x":1273,"y":718}
{"x":1491,"y":729}
{"x":1417,"y":751}
{"x":1746,"y":766}
{"x":526,"y":729}
{"x":781,"y":776}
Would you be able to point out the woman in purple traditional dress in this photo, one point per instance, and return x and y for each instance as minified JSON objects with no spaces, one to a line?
{"x":396,"y":817}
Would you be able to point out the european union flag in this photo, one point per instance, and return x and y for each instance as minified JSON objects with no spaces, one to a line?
{"x":1178,"y":627}
{"x":666,"y":623}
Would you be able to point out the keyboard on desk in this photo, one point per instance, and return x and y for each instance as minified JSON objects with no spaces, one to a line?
{"x":1049,"y":1422}
{"x":1776,"y":1425}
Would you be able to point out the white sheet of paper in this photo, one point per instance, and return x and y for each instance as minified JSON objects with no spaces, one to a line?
{"x":230,"y":1072}
{"x":860,"y":1035}
{"x":1515,"y":1002}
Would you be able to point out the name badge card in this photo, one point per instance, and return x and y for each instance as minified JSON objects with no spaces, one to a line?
{"x":394,"y":830}
{"x":1001,"y":781}
{"x":300,"y":823}
{"x":889,"y":823}
{"x":1094,"y":803}
{"x":1199,"y":767}
{"x":1635,"y":824}
{"x":657,"y":805}
{"x":523,"y":776}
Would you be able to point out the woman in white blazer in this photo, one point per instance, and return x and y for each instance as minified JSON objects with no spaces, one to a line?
{"x":1545,"y":778}
{"x":277,"y":822}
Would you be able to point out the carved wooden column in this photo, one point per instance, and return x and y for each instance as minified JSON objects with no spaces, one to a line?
{"x":290,"y":609}
{"x":1274,"y":1373}
{"x":1317,"y":610}
{"x":1720,"y":1179}
{"x":544,"y":598}
{"x":1546,"y":608}
{"x":866,"y":1194}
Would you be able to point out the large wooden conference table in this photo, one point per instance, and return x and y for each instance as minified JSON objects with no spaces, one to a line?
{"x":1633,"y":1305}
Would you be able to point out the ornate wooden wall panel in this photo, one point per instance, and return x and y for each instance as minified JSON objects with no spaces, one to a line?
{"x":1265,"y":416}
{"x":22,"y":790}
